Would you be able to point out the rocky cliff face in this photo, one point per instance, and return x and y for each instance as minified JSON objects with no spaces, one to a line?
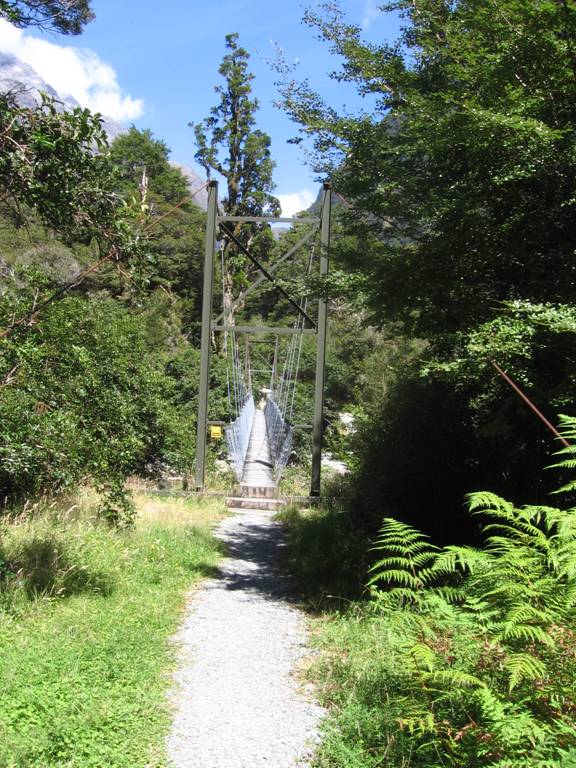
{"x":26,"y":85}
{"x":20,"y":79}
{"x":194,"y":182}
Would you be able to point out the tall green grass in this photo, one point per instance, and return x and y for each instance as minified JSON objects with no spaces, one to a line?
{"x":326,"y":554}
{"x":86,"y":617}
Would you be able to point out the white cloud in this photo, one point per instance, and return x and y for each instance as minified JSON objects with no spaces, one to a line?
{"x":76,"y":72}
{"x":371,"y":12}
{"x":294,"y":202}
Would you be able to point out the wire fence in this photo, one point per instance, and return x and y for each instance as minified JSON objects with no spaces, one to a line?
{"x":238,"y":436}
{"x":280,"y":435}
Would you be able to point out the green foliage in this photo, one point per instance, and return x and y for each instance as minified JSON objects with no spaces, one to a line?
{"x":49,"y":166}
{"x":464,"y":656}
{"x":65,"y":16}
{"x":87,"y":617}
{"x":228,"y":143}
{"x":459,"y":171}
{"x":463,"y":164}
{"x":534,"y":345}
{"x":83,"y":391}
{"x":408,"y":559}
{"x":82,"y":399}
{"x":135,"y":153}
{"x":175,"y":225}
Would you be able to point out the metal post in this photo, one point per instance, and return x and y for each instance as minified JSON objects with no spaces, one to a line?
{"x":274,"y":366}
{"x":248,"y":360}
{"x":322,"y":328}
{"x":202,"y":424}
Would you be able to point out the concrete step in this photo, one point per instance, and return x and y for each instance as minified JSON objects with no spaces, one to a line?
{"x":244,"y":502}
{"x":256,"y":491}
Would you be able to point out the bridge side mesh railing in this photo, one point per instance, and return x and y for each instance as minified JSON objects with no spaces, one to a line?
{"x":280,"y":434}
{"x":238,"y":436}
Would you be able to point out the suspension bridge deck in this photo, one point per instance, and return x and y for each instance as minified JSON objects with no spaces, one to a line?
{"x":257,"y":488}
{"x":258,"y":466}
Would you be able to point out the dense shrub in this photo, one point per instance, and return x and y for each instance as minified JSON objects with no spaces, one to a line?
{"x":82,"y":399}
{"x":464,"y":657}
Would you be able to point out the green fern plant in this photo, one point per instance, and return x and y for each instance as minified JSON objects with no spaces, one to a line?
{"x":491,"y":642}
{"x":405,"y":567}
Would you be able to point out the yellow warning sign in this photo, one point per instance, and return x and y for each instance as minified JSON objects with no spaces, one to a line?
{"x":215,"y":431}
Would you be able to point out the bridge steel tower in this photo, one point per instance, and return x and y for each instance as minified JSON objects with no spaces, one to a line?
{"x":214,"y":222}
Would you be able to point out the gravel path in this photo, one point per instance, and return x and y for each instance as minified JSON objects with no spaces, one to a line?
{"x":238,"y":704}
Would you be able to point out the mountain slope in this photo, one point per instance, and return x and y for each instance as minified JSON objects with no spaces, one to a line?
{"x":21,"y":80}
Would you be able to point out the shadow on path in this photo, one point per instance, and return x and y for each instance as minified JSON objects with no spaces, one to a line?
{"x":254,"y":543}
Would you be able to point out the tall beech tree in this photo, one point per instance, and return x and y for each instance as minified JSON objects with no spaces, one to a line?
{"x":229,"y":145}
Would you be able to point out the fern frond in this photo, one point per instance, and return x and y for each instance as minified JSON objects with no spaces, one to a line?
{"x":406,"y":554}
{"x":485,"y":501}
{"x":523,"y":531}
{"x":568,"y":488}
{"x":569,"y":596}
{"x":420,"y":724}
{"x":567,"y":426}
{"x":453,"y":559}
{"x":402,"y":547}
{"x":523,"y":613}
{"x":566,"y":463}
{"x":529,"y":633}
{"x":454,"y":678}
{"x":423,"y":558}
{"x":424,"y":656}
{"x":485,"y":614}
{"x":523,"y":666}
{"x":490,"y":706}
{"x":405,"y":595}
{"x":394,"y":576}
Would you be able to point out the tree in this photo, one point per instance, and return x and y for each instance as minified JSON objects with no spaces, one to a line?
{"x":136,"y":152}
{"x":51,"y":173}
{"x":229,"y":145}
{"x":465,"y":166}
{"x":461,"y":174}
{"x":65,"y":16}
{"x":175,"y":224}
{"x":48,"y":165}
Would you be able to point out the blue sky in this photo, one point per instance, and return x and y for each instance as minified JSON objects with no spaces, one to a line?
{"x":156,"y":65}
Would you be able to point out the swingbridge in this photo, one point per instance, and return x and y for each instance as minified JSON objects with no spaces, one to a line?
{"x":263,"y":362}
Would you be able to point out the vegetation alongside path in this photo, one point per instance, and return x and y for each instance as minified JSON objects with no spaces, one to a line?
{"x":457,"y":656}
{"x":454,"y":259}
{"x":86,"y":619}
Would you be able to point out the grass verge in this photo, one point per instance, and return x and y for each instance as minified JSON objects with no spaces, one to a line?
{"x":327,"y":556}
{"x":86,"y":617}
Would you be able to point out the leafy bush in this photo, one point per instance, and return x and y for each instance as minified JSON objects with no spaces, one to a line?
{"x":464,"y":657}
{"x":83,"y":399}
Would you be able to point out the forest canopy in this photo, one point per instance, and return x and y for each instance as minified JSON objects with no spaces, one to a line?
{"x":461,"y":177}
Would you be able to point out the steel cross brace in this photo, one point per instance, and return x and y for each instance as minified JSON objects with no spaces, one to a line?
{"x":266,"y":274}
